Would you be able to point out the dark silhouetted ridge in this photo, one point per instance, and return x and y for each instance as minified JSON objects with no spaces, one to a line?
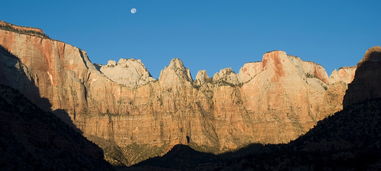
{"x":367,"y":82}
{"x":181,"y":157}
{"x":32,"y":139}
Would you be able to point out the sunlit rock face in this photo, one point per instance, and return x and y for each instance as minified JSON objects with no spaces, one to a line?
{"x":201,"y":78}
{"x":133,"y":117}
{"x":344,"y":74}
{"x":367,"y":82}
{"x":226,"y":76}
{"x":129,"y":72}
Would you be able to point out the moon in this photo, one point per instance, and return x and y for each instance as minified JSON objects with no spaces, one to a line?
{"x":133,"y":10}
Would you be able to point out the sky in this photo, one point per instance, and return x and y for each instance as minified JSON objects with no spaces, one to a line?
{"x":206,"y":34}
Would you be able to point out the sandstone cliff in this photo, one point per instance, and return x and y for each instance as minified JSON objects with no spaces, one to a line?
{"x":129,"y":72}
{"x":346,"y":140}
{"x":133,"y":117}
{"x":344,"y":74}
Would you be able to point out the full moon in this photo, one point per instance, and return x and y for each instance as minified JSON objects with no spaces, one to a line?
{"x":133,"y":10}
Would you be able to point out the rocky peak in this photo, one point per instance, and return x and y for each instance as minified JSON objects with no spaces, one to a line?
{"x":366,"y":84}
{"x":284,"y":65}
{"x":344,"y":74}
{"x":273,"y":57}
{"x":175,"y":73}
{"x":176,"y":63}
{"x":201,"y":77}
{"x":111,"y":63}
{"x":314,"y":70}
{"x":373,"y":54}
{"x":249,"y":70}
{"x":277,"y":64}
{"x":275,"y":60}
{"x":129,"y":72}
{"x":226,"y":75}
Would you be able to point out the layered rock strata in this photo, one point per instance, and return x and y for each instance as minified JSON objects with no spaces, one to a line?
{"x":134,"y":117}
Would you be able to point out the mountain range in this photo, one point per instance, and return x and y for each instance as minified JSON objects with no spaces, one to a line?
{"x":133,"y":117}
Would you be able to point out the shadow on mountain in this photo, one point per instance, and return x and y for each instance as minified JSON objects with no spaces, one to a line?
{"x":347,"y":140}
{"x":12,"y":74}
{"x":36,"y":139}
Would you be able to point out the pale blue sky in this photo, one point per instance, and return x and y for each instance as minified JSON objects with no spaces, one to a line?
{"x":207,"y":34}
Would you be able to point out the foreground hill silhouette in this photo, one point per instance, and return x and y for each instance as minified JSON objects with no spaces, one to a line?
{"x":347,"y":140}
{"x":32,"y":139}
{"x":367,"y":83}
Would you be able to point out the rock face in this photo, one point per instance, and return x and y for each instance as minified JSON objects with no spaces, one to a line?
{"x":249,"y":71}
{"x":367,"y":82}
{"x":346,"y":140}
{"x":129,"y":72}
{"x":226,"y":76}
{"x":202,"y":78}
{"x":175,"y":74}
{"x":344,"y":74}
{"x":133,"y":117}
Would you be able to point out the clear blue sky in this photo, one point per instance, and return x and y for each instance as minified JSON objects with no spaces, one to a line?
{"x":207,"y":34}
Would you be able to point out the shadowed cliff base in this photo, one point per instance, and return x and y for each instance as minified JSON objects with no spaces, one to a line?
{"x":11,"y":65}
{"x":33,"y":139}
{"x":36,"y":139}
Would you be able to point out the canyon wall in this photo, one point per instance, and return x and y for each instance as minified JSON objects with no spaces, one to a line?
{"x":133,"y":116}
